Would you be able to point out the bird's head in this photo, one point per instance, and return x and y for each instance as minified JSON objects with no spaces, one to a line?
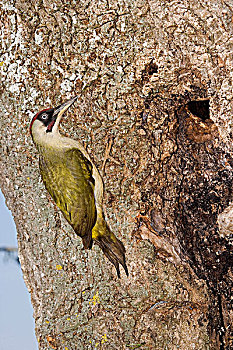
{"x":46,"y":122}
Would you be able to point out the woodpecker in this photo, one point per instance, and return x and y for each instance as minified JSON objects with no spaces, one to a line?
{"x":74,"y":183}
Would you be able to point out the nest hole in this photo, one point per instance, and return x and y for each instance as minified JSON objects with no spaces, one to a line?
{"x":200,"y":109}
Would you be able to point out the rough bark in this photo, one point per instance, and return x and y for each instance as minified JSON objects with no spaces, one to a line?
{"x":155,"y":113}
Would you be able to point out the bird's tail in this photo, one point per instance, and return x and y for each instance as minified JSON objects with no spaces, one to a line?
{"x":111,"y":246}
{"x":87,"y":241}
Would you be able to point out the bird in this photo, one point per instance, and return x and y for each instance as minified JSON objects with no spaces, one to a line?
{"x":74,"y":183}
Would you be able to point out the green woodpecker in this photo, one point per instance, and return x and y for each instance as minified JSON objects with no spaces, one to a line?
{"x":74,"y":183}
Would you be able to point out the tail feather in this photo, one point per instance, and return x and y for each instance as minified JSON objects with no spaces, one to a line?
{"x":111,"y":246}
{"x":114,"y":251}
{"x":87,"y":241}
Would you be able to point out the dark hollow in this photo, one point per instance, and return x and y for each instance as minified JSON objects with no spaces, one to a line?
{"x":200,"y":109}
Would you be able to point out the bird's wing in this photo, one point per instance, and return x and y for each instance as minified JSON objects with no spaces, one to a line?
{"x":68,"y":179}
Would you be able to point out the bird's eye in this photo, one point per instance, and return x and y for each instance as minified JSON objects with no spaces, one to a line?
{"x":44,"y":116}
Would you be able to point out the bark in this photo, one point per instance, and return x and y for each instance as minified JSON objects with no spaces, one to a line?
{"x":154,"y":80}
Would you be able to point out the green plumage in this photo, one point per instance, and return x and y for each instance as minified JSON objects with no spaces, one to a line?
{"x":74,"y":183}
{"x":68,"y":178}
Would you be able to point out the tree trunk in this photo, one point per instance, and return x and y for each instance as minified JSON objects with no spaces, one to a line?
{"x":154,"y":80}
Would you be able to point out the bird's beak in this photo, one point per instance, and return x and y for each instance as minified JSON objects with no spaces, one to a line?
{"x":60,"y":110}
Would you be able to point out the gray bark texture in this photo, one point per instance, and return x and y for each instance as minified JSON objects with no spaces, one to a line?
{"x":154,"y":80}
